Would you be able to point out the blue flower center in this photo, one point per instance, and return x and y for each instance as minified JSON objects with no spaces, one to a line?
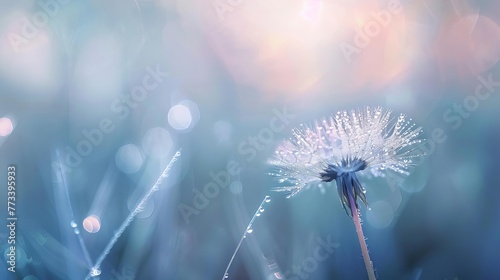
{"x":332,"y":172}
{"x":348,"y":184}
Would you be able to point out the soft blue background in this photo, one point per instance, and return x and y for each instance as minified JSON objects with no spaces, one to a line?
{"x":236,"y":71}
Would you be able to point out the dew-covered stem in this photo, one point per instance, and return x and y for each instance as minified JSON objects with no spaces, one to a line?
{"x":95,"y":270}
{"x":248,"y":230}
{"x":61,"y":182}
{"x":361,"y":238}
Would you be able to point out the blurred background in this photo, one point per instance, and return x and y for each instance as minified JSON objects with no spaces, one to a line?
{"x":97,"y":96}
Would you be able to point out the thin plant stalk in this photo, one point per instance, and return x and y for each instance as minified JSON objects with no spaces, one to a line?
{"x":73,"y":224}
{"x":248,"y":230}
{"x":95,"y":270}
{"x":361,"y":238}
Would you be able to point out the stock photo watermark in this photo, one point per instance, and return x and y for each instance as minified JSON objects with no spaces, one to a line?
{"x":483,"y":91}
{"x":126,"y":273}
{"x":222,"y":7}
{"x":456,"y":115}
{"x":122,"y":107}
{"x":201,"y":199}
{"x":11,"y":217}
{"x":265,"y":137}
{"x":370,"y":30}
{"x":303,"y":270}
{"x":249,"y":149}
{"x":30,"y":27}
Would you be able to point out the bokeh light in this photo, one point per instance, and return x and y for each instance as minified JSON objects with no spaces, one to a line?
{"x":129,"y":158}
{"x":31,"y":64}
{"x":6,"y":126}
{"x":20,"y":256}
{"x":381,"y":214}
{"x":92,"y":224}
{"x":157,"y":142}
{"x":281,"y":53}
{"x":179,"y":117}
{"x":236,"y":187}
{"x":416,"y":181}
{"x":184,"y":115}
{"x":226,"y":81}
{"x":468,"y":45}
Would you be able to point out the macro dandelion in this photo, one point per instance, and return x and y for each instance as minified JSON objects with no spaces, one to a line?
{"x":343,"y":147}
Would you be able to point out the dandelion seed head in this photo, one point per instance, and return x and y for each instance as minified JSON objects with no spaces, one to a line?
{"x":340,"y":147}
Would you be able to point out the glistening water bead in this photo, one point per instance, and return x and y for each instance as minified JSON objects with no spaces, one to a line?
{"x":248,"y":230}
{"x":361,"y":141}
{"x":95,"y":272}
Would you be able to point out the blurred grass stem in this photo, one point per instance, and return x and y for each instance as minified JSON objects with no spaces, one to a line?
{"x":95,"y":270}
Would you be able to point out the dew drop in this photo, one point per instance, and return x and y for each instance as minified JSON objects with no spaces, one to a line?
{"x":226,"y":275}
{"x":268,"y":199}
{"x":95,"y":272}
{"x":261,"y":210}
{"x":77,"y":231}
{"x":258,"y":214}
{"x":73,"y":224}
{"x":250,"y":230}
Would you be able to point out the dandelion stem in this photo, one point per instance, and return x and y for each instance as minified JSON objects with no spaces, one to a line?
{"x":361,"y":238}
{"x":248,"y":229}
